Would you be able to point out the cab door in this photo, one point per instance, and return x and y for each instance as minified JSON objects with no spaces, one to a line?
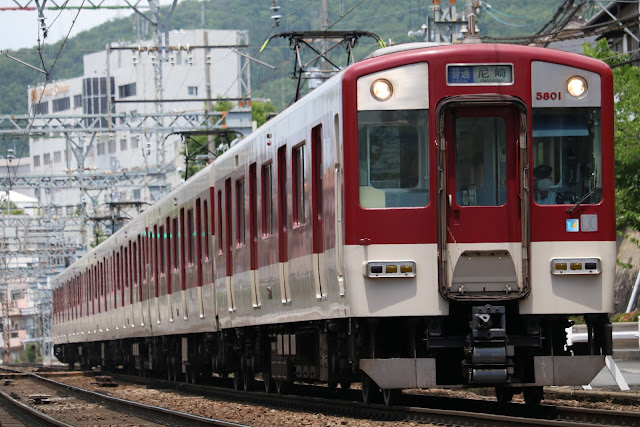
{"x":483,"y":212}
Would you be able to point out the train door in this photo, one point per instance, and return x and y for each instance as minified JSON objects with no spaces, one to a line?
{"x":483,"y":215}
{"x":253,"y":235}
{"x":317,"y":212}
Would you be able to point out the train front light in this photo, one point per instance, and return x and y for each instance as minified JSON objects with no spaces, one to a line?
{"x":382,"y":269}
{"x":381,"y":89}
{"x":568,"y":266}
{"x":577,"y":86}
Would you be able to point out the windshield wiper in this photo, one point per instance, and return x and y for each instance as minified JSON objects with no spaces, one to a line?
{"x":582,"y":199}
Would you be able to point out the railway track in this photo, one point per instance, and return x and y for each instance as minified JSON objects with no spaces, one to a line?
{"x":413,"y":407}
{"x":34,"y":400}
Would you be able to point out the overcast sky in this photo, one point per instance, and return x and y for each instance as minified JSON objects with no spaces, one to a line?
{"x":19,"y":29}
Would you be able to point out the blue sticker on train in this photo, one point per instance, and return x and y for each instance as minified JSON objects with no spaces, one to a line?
{"x":573,"y":225}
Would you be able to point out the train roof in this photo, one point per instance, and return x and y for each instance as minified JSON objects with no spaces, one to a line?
{"x":403,"y":47}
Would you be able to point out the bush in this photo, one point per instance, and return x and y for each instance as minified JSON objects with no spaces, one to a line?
{"x":626,"y":317}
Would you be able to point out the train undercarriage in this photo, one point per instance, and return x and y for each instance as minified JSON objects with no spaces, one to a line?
{"x":475,"y":346}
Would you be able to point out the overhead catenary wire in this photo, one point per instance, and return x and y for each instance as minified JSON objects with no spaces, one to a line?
{"x":48,"y":77}
{"x":500,"y":20}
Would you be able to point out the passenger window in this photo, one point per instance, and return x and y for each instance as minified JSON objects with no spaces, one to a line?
{"x":393,"y":157}
{"x":267,"y":202}
{"x":567,"y":156}
{"x":299,"y":185}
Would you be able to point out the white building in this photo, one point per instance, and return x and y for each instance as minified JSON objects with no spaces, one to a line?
{"x":198,"y":66}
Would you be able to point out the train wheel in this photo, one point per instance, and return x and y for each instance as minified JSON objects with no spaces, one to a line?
{"x":504,"y":394}
{"x":391,"y":396}
{"x":238,"y":382}
{"x":268,"y":380}
{"x":370,"y":390}
{"x":169,"y":369}
{"x":191,"y":376}
{"x":247,"y":378}
{"x":282,"y":387}
{"x":533,"y":395}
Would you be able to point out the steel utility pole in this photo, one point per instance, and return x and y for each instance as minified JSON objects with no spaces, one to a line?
{"x":324,"y":26}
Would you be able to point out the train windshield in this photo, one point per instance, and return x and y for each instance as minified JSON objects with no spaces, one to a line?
{"x":567,"y":156}
{"x":393,"y":157}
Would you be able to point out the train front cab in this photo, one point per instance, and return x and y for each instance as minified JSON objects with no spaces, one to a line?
{"x":485,"y":217}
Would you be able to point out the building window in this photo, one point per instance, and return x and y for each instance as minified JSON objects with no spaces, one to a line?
{"x":36,"y":160}
{"x":127,"y":90}
{"x":100,"y":148}
{"x":135,"y":142}
{"x":193,"y":90}
{"x":57,"y":157}
{"x":136,"y":194}
{"x":95,"y":98}
{"x":41,"y":108}
{"x":123,"y":144}
{"x":61,"y":104}
{"x":77,"y":101}
{"x":47,"y":159}
{"x":112,"y":146}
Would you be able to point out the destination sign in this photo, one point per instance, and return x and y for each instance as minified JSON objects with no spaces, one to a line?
{"x":482,"y":74}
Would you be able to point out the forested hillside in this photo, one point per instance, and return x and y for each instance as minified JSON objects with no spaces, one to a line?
{"x":390,"y":20}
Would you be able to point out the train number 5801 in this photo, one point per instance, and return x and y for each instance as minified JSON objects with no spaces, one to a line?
{"x":548,"y":96}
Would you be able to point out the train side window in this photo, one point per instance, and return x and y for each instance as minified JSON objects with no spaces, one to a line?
{"x":228,"y":218}
{"x":161,"y":251}
{"x":175,"y":238}
{"x":126,"y":273}
{"x":299,"y":172}
{"x":134,"y":263}
{"x":393,"y":158}
{"x":567,"y":156}
{"x":154,"y":255}
{"x":267,"y":199}
{"x":240,"y":212}
{"x":205,"y":223}
{"x":190,"y":237}
{"x":198,"y":231}
{"x":166,"y":246}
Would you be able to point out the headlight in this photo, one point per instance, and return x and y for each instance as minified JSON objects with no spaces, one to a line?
{"x":577,"y":86}
{"x":381,"y":89}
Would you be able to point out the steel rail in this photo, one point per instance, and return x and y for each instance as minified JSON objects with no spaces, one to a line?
{"x":27,"y":414}
{"x":152,"y":413}
{"x":467,"y":412}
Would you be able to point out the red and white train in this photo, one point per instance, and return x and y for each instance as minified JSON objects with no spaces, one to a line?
{"x":429,"y":217}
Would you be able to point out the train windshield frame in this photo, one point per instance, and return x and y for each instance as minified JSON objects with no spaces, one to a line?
{"x":393,"y":158}
{"x":567,"y":156}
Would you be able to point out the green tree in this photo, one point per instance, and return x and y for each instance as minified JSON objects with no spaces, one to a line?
{"x":260,"y":110}
{"x":626,"y":84}
{"x":13,"y":208}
